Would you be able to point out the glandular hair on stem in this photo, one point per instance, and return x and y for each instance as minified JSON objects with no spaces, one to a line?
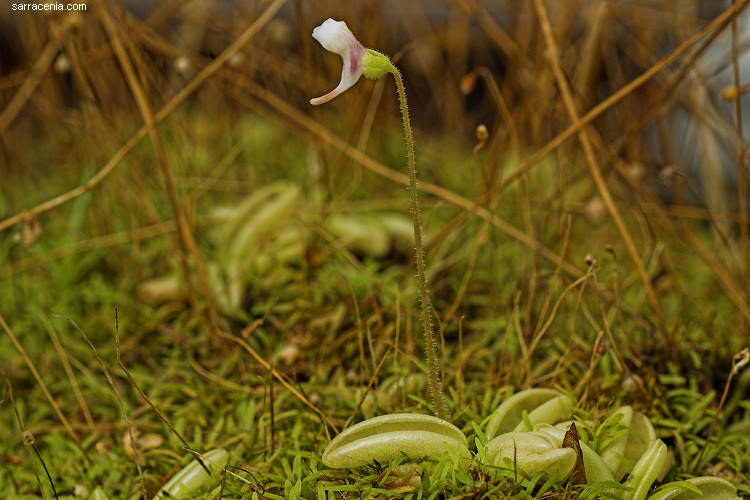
{"x":436,"y":395}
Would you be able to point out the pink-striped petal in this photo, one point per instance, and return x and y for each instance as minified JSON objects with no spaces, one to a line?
{"x":336,"y":37}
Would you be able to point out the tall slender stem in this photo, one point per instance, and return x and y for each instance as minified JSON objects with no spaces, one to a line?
{"x":433,"y":379}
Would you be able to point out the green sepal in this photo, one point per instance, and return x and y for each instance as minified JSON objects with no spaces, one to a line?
{"x":376,"y":64}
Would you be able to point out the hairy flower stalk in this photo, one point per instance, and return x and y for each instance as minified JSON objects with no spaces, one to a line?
{"x":436,"y":393}
{"x":336,"y":37}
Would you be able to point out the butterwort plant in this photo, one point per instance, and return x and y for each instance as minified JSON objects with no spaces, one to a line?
{"x":335,"y":36}
{"x":526,"y":433}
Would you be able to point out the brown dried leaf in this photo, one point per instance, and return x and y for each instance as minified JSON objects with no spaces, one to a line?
{"x":573,"y":440}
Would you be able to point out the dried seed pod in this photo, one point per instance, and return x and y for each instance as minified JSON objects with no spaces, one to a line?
{"x":482,"y":135}
{"x":596,"y":469}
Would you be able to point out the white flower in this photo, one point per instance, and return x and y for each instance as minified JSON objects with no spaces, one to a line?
{"x":336,"y":37}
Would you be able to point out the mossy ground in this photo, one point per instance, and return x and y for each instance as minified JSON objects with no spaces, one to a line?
{"x":326,"y":320}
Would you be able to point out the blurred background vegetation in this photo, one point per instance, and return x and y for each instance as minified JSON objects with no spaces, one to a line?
{"x":247,"y":212}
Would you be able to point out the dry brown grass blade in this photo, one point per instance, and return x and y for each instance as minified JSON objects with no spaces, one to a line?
{"x":481,"y":238}
{"x":369,"y":386}
{"x":180,"y":97}
{"x":498,"y":35}
{"x":42,"y":64}
{"x":584,"y":385}
{"x":739,"y":361}
{"x":618,"y":96}
{"x":233,"y":386}
{"x":188,"y":246}
{"x":478,"y":242}
{"x":136,"y":456}
{"x":227,"y":470}
{"x":735,"y":292}
{"x":585,"y":72}
{"x":537,"y":337}
{"x":265,"y":364}
{"x":43,"y":386}
{"x":717,"y":268}
{"x":63,"y":355}
{"x":723,"y":275}
{"x":107,"y":240}
{"x":80,"y":190}
{"x":470,"y":207}
{"x":145,"y":398}
{"x":596,"y":174}
{"x":502,"y":108}
{"x":742,"y":167}
{"x":708,"y":36}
